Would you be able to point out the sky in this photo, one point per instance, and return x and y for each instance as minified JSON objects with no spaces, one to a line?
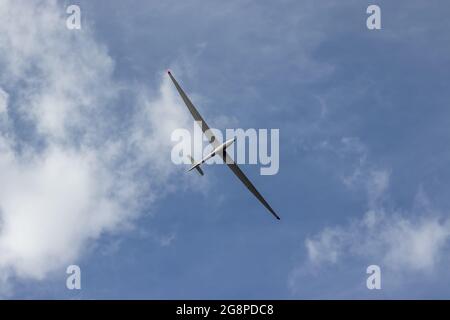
{"x":86,"y":176}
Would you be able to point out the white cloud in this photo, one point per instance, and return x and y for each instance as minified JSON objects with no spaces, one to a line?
{"x":400,"y":241}
{"x":158,"y":119}
{"x":63,"y":75}
{"x":394,"y":239}
{"x":377,"y":185}
{"x":3,"y":102}
{"x":87,"y":176}
{"x":391,"y":240}
{"x":50,"y":205}
{"x":327,"y":249}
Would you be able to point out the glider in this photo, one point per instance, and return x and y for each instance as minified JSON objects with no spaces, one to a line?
{"x":219,"y":149}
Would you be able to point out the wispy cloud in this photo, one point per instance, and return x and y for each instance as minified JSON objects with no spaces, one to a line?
{"x":399,"y":240}
{"x":3,"y":102}
{"x":391,"y":239}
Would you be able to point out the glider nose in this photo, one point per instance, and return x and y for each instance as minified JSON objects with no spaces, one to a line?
{"x":230,"y":142}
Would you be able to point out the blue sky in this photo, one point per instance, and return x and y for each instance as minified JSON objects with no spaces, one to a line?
{"x":364,"y":135}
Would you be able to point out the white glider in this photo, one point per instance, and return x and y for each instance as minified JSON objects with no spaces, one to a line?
{"x":219,"y":149}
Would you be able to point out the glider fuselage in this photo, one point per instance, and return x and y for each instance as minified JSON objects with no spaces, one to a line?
{"x":218,"y":150}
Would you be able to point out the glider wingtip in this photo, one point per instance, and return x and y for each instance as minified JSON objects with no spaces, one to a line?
{"x":275,"y":215}
{"x":169,"y":71}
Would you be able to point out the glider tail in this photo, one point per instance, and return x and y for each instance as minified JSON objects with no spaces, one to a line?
{"x":196,"y":166}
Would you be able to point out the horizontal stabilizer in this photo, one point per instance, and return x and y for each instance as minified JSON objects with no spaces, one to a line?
{"x":196,"y":166}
